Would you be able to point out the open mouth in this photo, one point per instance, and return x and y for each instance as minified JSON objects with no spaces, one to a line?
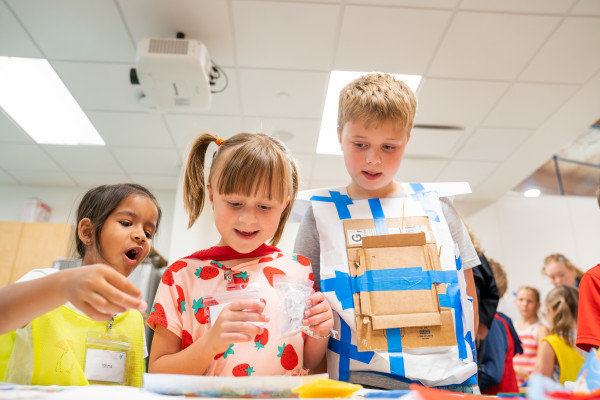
{"x":132,"y":254}
{"x":371,"y":175}
{"x":246,"y":234}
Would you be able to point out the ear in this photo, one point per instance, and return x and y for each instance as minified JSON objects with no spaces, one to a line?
{"x":85,"y":231}
{"x":287,"y":201}
{"x":339,"y":132}
{"x":210,"y":193}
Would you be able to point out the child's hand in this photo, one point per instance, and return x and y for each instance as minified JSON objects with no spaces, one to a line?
{"x":233,"y":325}
{"x":319,"y":316}
{"x":101,"y":291}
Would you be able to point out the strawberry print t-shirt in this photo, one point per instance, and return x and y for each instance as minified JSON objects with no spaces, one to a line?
{"x":189,"y":288}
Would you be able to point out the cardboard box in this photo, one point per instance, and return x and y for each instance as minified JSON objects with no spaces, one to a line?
{"x":417,"y":312}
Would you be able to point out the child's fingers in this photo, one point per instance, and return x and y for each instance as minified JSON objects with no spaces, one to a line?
{"x":247,"y":305}
{"x":120,"y":299}
{"x":315,"y":298}
{"x":121,"y":282}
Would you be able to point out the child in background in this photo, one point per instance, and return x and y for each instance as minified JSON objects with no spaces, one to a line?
{"x":115,"y":228}
{"x":375,"y":117}
{"x":557,"y":355}
{"x":561,"y":270}
{"x":530,"y":330}
{"x":252,"y":186}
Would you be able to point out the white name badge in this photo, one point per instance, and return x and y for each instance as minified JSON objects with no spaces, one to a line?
{"x":105,"y":365}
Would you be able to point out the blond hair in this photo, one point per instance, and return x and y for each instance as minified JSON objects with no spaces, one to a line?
{"x":242,"y":164}
{"x":499,"y":276}
{"x":375,"y":98}
{"x":562,"y":300}
{"x":557,"y":257}
{"x":531,"y":290}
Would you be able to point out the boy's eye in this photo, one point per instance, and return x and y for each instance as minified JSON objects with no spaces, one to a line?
{"x":360,"y":145}
{"x":388,"y":147}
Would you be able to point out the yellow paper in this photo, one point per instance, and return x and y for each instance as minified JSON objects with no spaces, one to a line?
{"x":326,"y":388}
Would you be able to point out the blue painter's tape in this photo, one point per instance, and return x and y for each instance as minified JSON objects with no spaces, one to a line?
{"x":394,"y":342}
{"x":417,"y":187}
{"x":342,"y":286}
{"x":425,"y":199}
{"x":347,"y":351}
{"x":341,"y":202}
{"x":381,"y":227}
{"x":469,"y":339}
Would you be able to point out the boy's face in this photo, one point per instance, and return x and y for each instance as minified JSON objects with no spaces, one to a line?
{"x":372,"y":156}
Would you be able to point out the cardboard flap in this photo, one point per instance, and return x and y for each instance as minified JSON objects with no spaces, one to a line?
{"x":405,"y":320}
{"x":395,"y":240}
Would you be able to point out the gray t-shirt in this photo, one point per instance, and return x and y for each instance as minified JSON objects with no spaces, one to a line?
{"x":308,"y":244}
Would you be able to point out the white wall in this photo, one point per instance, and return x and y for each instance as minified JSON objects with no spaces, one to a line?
{"x":520,"y":232}
{"x":64,"y":202}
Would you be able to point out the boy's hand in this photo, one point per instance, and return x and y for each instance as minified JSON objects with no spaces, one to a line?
{"x":101,"y":291}
{"x":319,"y":316}
{"x":233,"y":325}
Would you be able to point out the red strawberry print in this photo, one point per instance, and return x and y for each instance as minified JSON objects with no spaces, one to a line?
{"x":279,"y":255}
{"x":226,"y":352}
{"x":301,"y":259}
{"x":289,"y":358}
{"x":265,"y":259}
{"x":177,"y":265}
{"x":270,"y":271}
{"x":186,"y":339}
{"x":180,"y":299}
{"x":207,"y":272}
{"x":311,"y":277}
{"x":167,"y":278}
{"x":217,"y":264}
{"x":158,"y":316}
{"x":242,"y":370}
{"x":261,"y":339}
{"x":200,"y":311}
{"x":241,"y":279}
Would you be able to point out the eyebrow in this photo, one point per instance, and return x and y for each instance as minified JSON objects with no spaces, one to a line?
{"x":134,"y":215}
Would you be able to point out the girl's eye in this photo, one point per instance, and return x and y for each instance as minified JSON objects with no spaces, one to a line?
{"x":125,"y":223}
{"x":264,"y":208}
{"x":235,"y":204}
{"x":148,"y":235}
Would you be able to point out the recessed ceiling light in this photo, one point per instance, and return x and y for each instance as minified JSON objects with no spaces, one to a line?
{"x":328,"y":140}
{"x":37,"y":100}
{"x":532,"y":193}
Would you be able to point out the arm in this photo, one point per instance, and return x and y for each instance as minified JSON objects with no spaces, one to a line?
{"x":472,"y":291}
{"x":232,"y":326}
{"x":546,"y":359}
{"x":320,"y":318}
{"x":97,"y":290}
{"x":493,"y":352}
{"x":542,"y":332}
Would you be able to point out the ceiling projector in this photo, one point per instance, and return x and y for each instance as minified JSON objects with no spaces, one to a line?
{"x":174,"y":74}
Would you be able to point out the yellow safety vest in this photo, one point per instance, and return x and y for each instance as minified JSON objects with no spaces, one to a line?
{"x":59,"y":338}
{"x":569,"y":360}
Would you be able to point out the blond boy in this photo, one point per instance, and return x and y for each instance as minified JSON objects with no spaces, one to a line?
{"x":375,"y":117}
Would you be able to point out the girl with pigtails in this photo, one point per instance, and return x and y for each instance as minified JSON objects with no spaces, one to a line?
{"x":216,"y":311}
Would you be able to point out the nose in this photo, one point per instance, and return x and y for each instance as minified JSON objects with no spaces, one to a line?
{"x":248,"y":216}
{"x":373,"y":156}
{"x":139,"y":235}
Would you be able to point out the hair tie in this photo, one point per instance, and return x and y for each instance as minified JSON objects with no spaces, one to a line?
{"x":219,"y":141}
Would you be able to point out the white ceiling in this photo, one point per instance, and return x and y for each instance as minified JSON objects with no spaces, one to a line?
{"x":521,"y":78}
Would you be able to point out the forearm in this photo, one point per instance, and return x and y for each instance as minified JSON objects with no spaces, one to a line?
{"x":472,"y":292}
{"x":193,"y":360}
{"x":314,"y":351}
{"x":22,"y":302}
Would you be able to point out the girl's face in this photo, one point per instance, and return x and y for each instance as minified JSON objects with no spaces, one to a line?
{"x":526,"y":303}
{"x":126,"y":237}
{"x":559,"y":274}
{"x":245,"y":222}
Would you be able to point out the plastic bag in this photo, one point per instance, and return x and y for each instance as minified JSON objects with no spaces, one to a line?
{"x":293,"y":294}
{"x":218,"y":301}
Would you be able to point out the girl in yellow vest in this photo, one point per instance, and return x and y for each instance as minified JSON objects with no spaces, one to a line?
{"x":83,"y":325}
{"x":558,"y":358}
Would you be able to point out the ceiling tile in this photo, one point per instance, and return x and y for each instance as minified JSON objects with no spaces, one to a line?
{"x":293,"y":94}
{"x":285,"y":35}
{"x":185,"y":128}
{"x":571,"y":55}
{"x":85,"y":179}
{"x":392,"y":29}
{"x":153,"y":182}
{"x":28,"y":157}
{"x":300,"y":135}
{"x":329,"y":168}
{"x":10,"y":132}
{"x":100,"y":86}
{"x":473,"y":172}
{"x":131,"y":129}
{"x":519,"y":6}
{"x":44,"y":178}
{"x":528,"y":105}
{"x":490,"y":46}
{"x":420,"y":170}
{"x":440,"y":143}
{"x":448,"y":4}
{"x":456,"y":103}
{"x":89,"y":30}
{"x":6,"y":179}
{"x":488,"y":144}
{"x":84,"y":158}
{"x":586,"y":7}
{"x":162,"y":162}
{"x":197,"y":19}
{"x":228,"y":101}
{"x":14,"y":41}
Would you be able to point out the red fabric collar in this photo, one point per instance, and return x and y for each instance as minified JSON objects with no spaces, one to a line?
{"x":223,"y":253}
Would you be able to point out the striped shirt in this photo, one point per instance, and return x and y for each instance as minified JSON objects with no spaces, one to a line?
{"x":526,"y":361}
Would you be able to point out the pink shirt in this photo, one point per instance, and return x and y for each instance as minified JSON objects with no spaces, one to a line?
{"x":181,"y":306}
